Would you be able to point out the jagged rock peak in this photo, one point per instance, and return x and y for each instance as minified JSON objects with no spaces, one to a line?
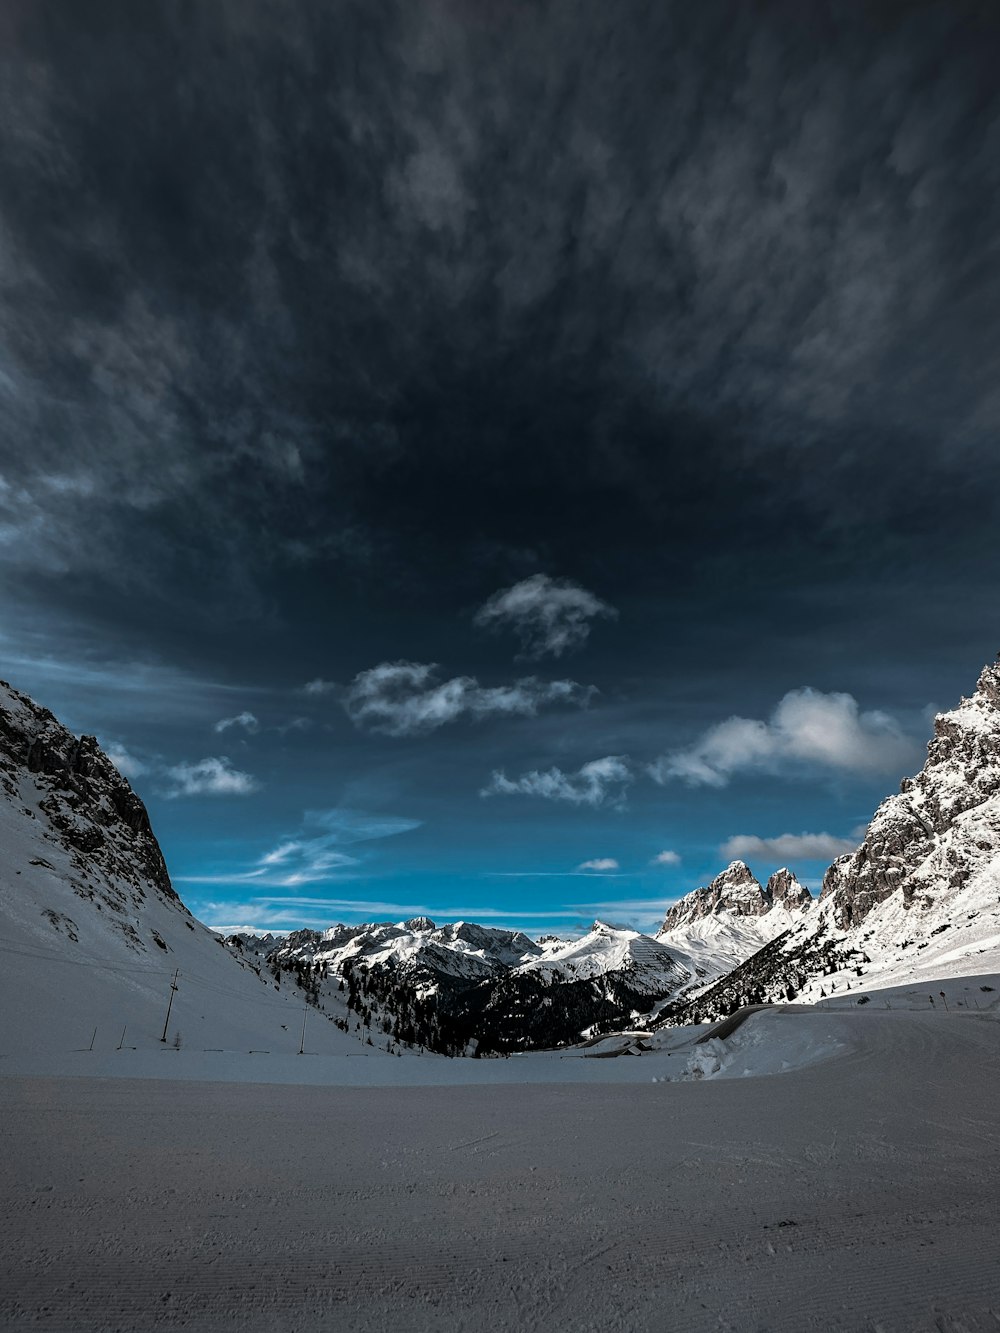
{"x":924,"y":834}
{"x":988,"y":684}
{"x":736,"y":891}
{"x":89,"y":804}
{"x":419,"y":923}
{"x":784,"y":890}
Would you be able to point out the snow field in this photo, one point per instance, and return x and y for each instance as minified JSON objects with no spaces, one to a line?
{"x":857,"y":1193}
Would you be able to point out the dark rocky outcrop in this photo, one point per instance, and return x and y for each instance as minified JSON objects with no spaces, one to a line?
{"x":89,"y":804}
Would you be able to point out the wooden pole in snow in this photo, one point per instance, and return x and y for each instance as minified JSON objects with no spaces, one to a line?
{"x":302,"y":1043}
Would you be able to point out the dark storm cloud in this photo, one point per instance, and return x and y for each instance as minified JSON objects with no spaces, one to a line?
{"x":290,"y":284}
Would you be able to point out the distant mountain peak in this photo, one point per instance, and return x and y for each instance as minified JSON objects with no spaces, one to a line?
{"x":785,"y":890}
{"x":736,"y":891}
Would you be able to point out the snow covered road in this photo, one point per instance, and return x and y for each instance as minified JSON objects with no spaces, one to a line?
{"x":858,"y":1193}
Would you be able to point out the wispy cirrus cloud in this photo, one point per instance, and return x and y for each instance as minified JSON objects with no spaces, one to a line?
{"x":599,"y":864}
{"x":549,"y":616}
{"x":600,"y":782}
{"x":407,"y":699}
{"x":293,"y":913}
{"x":313,"y":853}
{"x":245,"y":720}
{"x":807,"y":729}
{"x":787,"y":847}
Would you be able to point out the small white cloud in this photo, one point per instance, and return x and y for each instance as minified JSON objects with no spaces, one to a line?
{"x":209,"y":777}
{"x":806,"y":728}
{"x":786,"y":847}
{"x":600,"y":782}
{"x":599,"y":863}
{"x":549,"y":616}
{"x":405,"y":699}
{"x":319,"y":686}
{"x":245,"y":720}
{"x":666,"y":859}
{"x":127,"y":764}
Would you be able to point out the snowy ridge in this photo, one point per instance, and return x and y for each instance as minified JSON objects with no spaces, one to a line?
{"x":649,"y":966}
{"x":417,"y":947}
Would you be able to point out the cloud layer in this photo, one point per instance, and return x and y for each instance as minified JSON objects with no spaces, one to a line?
{"x":776,"y":260}
{"x":807,"y":729}
{"x":406,"y":699}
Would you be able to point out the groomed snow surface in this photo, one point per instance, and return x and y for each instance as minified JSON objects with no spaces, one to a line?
{"x":671,"y":1189}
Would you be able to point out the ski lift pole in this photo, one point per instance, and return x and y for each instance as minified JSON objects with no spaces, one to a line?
{"x":173,"y":989}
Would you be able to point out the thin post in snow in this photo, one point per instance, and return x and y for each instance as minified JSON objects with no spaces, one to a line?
{"x":302,"y":1043}
{"x":173,"y":988}
{"x":122,"y":1042}
{"x":92,"y":1040}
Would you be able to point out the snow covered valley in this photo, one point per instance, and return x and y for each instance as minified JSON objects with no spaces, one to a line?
{"x":855,"y":1192}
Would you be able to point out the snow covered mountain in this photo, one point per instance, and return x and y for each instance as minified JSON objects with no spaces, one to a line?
{"x":464,"y":986}
{"x":921,"y":895}
{"x":92,"y":931}
{"x":429,"y":955}
{"x":713,"y":929}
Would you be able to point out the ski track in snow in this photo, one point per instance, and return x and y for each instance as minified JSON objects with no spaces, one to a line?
{"x":857,"y":1193}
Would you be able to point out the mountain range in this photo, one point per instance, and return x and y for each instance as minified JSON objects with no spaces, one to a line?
{"x":96,"y":938}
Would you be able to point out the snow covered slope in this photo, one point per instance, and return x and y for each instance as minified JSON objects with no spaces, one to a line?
{"x":648,"y":965}
{"x":91,"y":930}
{"x":920,"y":898}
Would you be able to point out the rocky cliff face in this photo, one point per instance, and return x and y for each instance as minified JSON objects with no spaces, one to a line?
{"x":941,"y":827}
{"x":88,"y":805}
{"x":784,"y":890}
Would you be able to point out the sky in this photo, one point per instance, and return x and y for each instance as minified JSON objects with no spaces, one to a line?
{"x":498,"y":460}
